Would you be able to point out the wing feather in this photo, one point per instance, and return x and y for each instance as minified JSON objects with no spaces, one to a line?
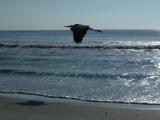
{"x":78,"y":35}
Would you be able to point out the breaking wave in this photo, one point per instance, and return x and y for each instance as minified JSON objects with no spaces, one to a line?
{"x":70,"y":74}
{"x":87,"y":46}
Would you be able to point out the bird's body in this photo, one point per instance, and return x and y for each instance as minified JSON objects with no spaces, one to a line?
{"x":79,"y":31}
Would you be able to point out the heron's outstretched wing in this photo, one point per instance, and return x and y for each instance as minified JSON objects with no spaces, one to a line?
{"x":78,"y":35}
{"x":95,"y":30}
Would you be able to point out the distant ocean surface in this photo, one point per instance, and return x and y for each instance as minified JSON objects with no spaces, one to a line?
{"x":113,"y":66}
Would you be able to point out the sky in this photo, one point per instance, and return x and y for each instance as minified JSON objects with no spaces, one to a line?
{"x":101,"y":14}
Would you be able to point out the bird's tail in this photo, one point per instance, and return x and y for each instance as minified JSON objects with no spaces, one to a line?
{"x":95,"y":30}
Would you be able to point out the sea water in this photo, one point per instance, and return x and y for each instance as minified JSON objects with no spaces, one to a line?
{"x":113,"y":66}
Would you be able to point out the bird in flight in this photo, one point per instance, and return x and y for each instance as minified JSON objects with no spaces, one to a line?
{"x":79,"y":31}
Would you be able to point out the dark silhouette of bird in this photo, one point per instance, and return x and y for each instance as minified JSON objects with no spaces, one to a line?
{"x":79,"y":31}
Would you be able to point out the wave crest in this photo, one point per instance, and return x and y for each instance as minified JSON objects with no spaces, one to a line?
{"x":88,"y":46}
{"x":70,"y":74}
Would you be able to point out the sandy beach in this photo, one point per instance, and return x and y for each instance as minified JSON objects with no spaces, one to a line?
{"x":27,"y":107}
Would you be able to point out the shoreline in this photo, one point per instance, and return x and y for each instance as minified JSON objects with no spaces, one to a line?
{"x":29,"y":107}
{"x":36,"y":95}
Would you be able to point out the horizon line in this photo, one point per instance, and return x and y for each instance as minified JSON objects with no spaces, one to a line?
{"x":69,"y":30}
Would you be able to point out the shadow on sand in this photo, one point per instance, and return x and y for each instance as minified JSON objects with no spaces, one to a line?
{"x":32,"y":103}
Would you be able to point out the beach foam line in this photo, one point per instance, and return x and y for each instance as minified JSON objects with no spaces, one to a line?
{"x":92,"y":46}
{"x":46,"y":96}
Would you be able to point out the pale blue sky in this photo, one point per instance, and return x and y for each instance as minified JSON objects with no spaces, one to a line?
{"x":103,"y":14}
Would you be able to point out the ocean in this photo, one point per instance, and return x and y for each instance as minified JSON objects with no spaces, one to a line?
{"x":120,"y":66}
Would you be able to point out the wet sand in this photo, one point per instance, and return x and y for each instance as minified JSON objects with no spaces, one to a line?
{"x":27,"y":107}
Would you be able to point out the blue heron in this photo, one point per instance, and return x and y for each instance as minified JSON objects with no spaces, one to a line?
{"x":79,"y":31}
